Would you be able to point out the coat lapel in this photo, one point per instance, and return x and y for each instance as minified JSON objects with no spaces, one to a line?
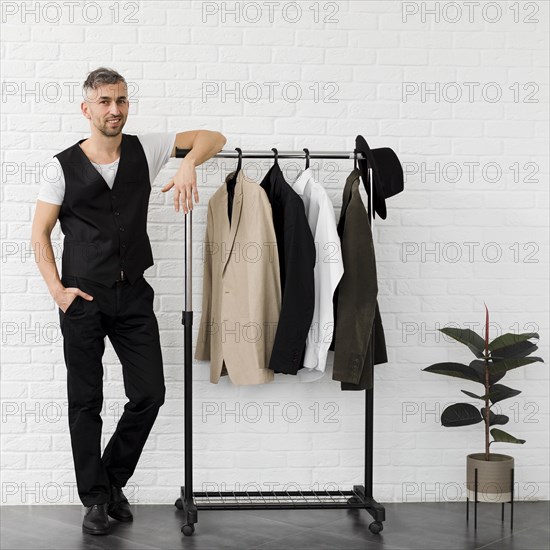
{"x":346,"y":198}
{"x":235,"y":218}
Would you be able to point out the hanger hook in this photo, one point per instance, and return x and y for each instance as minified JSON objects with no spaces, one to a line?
{"x":239,"y":163}
{"x":276,"y":154}
{"x":306,"y":150}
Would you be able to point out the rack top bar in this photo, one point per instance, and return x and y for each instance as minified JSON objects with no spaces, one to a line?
{"x":231,"y":153}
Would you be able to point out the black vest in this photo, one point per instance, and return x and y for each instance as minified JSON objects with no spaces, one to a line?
{"x":105,"y":230}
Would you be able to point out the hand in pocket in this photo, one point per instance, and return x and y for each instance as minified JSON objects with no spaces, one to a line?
{"x":68,"y":295}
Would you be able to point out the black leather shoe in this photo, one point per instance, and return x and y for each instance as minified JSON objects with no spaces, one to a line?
{"x":95,"y":520}
{"x":119,"y":508}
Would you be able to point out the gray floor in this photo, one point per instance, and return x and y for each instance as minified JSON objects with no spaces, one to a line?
{"x":423,"y":526}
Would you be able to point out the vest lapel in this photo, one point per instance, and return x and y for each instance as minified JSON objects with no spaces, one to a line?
{"x":96,"y":171}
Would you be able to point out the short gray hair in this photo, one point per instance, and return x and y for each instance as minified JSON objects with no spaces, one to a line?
{"x":100,"y":77}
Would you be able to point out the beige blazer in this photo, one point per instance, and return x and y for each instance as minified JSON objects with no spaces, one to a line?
{"x":241,"y":299}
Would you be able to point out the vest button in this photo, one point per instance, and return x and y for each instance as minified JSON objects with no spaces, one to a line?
{"x":117,"y":213}
{"x":123,"y":245}
{"x":113,"y":197}
{"x":121,"y":228}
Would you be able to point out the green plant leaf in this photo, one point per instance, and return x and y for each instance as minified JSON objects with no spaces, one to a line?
{"x":503,"y":437}
{"x":515,"y":351}
{"x":498,"y":419}
{"x":478,"y":366}
{"x":460,"y":414}
{"x":469,"y":393}
{"x":499,"y":368}
{"x":495,"y":418}
{"x":510,"y":338}
{"x":457,"y":370}
{"x":494,"y":376}
{"x":468,"y":337}
{"x":499,"y":392}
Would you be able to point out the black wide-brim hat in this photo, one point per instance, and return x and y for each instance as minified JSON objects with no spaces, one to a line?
{"x":387,"y":174}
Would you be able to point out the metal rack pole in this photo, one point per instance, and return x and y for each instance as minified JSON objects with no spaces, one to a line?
{"x":230,"y":153}
{"x":369,"y":393}
{"x":377,"y":510}
{"x":361,"y":496}
{"x":186,"y":491}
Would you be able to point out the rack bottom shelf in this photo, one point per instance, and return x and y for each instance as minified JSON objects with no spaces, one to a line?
{"x":279,"y":500}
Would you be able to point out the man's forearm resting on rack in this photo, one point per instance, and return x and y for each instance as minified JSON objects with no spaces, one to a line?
{"x":203,"y":145}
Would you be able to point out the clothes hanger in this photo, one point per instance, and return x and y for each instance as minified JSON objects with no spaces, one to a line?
{"x":240,"y":162}
{"x":233,"y":180}
{"x":231,"y":183}
{"x":306,"y":150}
{"x":276,"y":155}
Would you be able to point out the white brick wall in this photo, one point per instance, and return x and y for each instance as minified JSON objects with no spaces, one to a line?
{"x":360,"y":53}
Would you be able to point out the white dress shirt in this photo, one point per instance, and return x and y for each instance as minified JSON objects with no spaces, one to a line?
{"x":157,"y":146}
{"x":327,"y":273}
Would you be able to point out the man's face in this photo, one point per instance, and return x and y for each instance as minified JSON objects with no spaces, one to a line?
{"x":107,"y":108}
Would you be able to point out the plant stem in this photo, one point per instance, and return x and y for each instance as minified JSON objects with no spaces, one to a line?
{"x":487,"y":410}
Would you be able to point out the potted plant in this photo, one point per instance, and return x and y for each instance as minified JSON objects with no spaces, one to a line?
{"x":493,"y":360}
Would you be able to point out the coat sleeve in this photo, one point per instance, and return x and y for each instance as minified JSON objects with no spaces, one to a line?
{"x":202,"y":351}
{"x":298,"y":294}
{"x":379,"y":342}
{"x":357,"y":295}
{"x":270,"y":274}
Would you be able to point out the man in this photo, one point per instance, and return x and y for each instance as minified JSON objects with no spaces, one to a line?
{"x":101,"y":197}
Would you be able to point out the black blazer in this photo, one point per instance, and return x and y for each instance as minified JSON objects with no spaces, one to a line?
{"x":356,"y":306}
{"x":296,"y":249}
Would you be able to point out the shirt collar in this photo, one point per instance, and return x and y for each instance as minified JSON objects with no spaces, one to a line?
{"x":300,"y":184}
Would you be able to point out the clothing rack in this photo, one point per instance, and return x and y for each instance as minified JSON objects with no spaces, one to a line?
{"x":360,"y":497}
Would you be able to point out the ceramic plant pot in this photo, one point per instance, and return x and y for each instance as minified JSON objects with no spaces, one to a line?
{"x":494,"y":481}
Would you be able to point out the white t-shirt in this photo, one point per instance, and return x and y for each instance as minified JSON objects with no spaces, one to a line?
{"x":157,"y":148}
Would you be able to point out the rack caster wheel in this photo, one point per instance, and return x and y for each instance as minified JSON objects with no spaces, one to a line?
{"x":188,"y":529}
{"x":375,"y":527}
{"x":178,"y":504}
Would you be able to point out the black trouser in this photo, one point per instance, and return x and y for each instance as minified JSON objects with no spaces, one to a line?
{"x":124,"y":313}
